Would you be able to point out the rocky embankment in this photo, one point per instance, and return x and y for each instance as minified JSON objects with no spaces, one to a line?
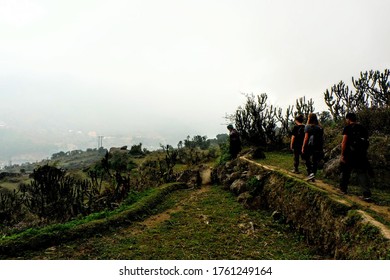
{"x":335,"y":224}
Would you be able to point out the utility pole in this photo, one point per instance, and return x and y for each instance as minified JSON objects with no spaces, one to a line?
{"x":100,"y":141}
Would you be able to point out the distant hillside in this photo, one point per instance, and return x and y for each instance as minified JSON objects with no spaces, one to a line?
{"x":21,"y":146}
{"x":17,"y":147}
{"x":71,"y":160}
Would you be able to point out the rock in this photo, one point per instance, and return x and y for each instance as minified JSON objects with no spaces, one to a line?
{"x":249,"y":201}
{"x":244,"y":197}
{"x":331,"y":168}
{"x":232,"y":177}
{"x":238,"y":186}
{"x":244,"y":175}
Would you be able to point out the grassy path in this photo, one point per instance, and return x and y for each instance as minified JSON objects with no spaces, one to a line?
{"x":379,"y":208}
{"x":206,"y":223}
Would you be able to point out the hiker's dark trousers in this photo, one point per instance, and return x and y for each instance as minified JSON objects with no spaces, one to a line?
{"x":362,"y":175}
{"x":312,"y":159}
{"x":297,"y":154}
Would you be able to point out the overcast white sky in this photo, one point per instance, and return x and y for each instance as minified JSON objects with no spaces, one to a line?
{"x":122,"y":66}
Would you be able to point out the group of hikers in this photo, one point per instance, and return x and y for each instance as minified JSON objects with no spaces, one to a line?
{"x":307,"y":142}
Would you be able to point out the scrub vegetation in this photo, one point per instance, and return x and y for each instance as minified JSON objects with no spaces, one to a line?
{"x":140,"y":204}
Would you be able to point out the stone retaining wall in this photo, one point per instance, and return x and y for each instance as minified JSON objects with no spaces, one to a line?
{"x":336,"y":228}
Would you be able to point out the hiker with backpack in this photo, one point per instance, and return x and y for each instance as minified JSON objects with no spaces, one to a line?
{"x":297,"y":136}
{"x":354,"y":148}
{"x":312,"y":148}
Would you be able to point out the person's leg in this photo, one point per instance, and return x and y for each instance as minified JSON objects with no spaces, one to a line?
{"x":362,"y":169}
{"x":364,"y":182}
{"x":345,"y":175}
{"x":308,"y":162}
{"x":233,"y":151}
{"x":309,"y":166}
{"x":316,"y":160}
{"x":296,"y":160}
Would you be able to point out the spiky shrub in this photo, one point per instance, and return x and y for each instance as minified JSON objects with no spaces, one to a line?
{"x":53,"y":195}
{"x":259,"y":123}
{"x":11,"y":207}
{"x":116,"y":167}
{"x":167,"y":164}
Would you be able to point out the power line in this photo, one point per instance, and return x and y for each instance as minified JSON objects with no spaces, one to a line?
{"x":100,"y":141}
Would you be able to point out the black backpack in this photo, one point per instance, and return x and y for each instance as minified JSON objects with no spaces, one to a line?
{"x":316,"y":138}
{"x":358,"y":142}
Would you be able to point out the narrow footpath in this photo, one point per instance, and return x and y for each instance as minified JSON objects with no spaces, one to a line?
{"x":367,"y":209}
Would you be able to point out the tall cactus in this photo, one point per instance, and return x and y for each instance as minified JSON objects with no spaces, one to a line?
{"x":285,"y":120}
{"x":257,"y":122}
{"x":303,"y":107}
{"x":376,"y":86}
{"x":372,"y":90}
{"x":341,"y":100}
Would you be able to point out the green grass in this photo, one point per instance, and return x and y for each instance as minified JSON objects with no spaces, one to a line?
{"x":36,"y":238}
{"x":53,"y":229}
{"x":13,"y":183}
{"x":197,"y":225}
{"x":206,"y":225}
{"x":280,"y":159}
{"x":284,"y":160}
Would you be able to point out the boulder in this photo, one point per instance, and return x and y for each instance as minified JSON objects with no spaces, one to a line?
{"x":331,"y":168}
{"x":249,"y":201}
{"x":232,"y":177}
{"x":238,"y":186}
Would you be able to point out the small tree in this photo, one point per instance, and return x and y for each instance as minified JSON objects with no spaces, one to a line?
{"x":257,"y":122}
{"x":166,"y":165}
{"x":136,"y":150}
{"x":118,"y":166}
{"x":249,"y":120}
{"x":197,"y":141}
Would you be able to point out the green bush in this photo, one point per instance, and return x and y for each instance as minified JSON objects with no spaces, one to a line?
{"x":225,"y":155}
{"x":376,"y":120}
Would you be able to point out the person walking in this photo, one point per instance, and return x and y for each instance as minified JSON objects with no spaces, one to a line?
{"x":234,"y":141}
{"x":297,"y":136}
{"x":354,"y":148}
{"x":312,"y":148}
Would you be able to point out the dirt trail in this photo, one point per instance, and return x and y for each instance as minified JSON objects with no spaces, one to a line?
{"x":382,"y":211}
{"x":157,"y":219}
